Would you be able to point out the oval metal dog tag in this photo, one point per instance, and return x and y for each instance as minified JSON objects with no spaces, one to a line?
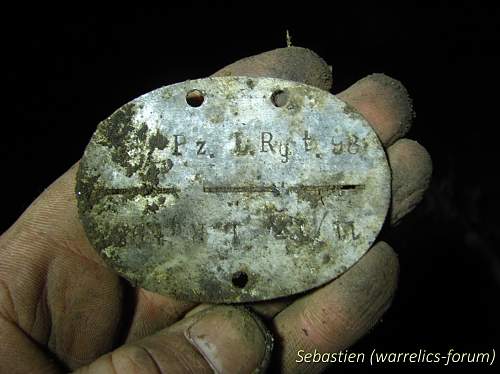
{"x":233,"y":189}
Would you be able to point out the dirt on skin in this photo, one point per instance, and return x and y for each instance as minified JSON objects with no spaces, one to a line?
{"x":291,"y":63}
{"x":394,"y":112}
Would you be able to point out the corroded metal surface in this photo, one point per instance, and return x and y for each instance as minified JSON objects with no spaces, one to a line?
{"x":233,"y":189}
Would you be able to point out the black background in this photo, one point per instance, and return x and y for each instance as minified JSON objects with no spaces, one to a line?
{"x":66,"y":70}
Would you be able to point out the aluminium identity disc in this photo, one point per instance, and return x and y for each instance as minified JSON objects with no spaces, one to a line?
{"x":233,"y":189}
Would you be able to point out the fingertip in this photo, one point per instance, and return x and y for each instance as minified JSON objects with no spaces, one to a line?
{"x":290,"y":63}
{"x":384,"y":102}
{"x":231,"y":339}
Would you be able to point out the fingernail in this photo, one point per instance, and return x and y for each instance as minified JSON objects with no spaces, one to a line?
{"x":231,"y":340}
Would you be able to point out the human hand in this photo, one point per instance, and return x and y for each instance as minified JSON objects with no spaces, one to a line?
{"x":62,"y":308}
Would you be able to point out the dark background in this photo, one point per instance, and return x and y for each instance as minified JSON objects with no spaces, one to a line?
{"x":69,"y":69}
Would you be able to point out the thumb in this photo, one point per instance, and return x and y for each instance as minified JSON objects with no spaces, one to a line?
{"x":223,"y":339}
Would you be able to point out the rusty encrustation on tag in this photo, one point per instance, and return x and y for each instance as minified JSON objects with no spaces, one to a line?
{"x":233,"y":189}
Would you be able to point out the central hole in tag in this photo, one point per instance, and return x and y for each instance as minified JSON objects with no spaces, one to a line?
{"x":240,"y":279}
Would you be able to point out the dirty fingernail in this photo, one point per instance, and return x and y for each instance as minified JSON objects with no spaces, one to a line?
{"x":231,"y":339}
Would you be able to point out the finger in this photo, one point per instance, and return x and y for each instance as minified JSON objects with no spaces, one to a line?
{"x":222,"y":338}
{"x":338,"y":314}
{"x":291,"y":63}
{"x":411,"y":174}
{"x":384,"y":102}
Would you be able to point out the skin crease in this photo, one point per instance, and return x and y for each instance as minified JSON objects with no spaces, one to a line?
{"x":61,"y":308}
